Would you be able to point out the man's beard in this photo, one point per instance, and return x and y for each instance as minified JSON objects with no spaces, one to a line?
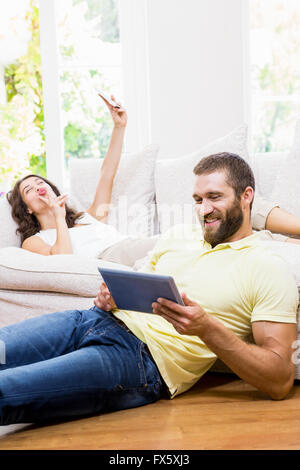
{"x":229,"y":224}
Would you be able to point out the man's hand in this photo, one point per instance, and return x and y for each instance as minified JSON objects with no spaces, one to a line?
{"x":104,"y":300}
{"x":187,"y":320}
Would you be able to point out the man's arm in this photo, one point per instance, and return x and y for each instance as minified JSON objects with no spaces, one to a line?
{"x":267,"y":365}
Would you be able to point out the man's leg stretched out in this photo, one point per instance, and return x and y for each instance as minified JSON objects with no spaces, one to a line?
{"x":71,"y":364}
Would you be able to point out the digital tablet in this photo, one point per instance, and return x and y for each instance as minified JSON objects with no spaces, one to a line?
{"x":132,"y":290}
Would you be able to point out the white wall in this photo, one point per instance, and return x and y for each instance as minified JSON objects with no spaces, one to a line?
{"x":190,"y":53}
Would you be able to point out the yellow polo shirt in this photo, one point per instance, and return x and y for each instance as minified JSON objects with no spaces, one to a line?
{"x":238,"y":283}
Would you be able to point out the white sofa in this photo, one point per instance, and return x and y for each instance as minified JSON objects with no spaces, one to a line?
{"x":154,"y":194}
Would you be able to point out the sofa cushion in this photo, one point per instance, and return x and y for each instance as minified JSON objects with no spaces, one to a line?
{"x":19,"y":305}
{"x":67,"y":274}
{"x":174,"y":178}
{"x":286,"y":189}
{"x":266,"y":169}
{"x":132,"y":208}
{"x":8,"y":226}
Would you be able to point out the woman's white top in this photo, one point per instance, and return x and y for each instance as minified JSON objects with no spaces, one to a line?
{"x":88,"y":240}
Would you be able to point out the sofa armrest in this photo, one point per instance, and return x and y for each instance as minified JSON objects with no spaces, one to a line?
{"x":70,"y":274}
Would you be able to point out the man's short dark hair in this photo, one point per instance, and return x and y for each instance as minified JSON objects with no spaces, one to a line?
{"x":239,"y":173}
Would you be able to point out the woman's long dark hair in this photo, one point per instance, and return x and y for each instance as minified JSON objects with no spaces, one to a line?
{"x":28,"y":224}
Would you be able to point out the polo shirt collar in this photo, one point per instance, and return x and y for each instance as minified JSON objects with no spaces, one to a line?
{"x":236,"y":245}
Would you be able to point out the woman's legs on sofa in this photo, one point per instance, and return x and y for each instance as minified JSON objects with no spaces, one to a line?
{"x":267,"y":215}
{"x":82,"y":363}
{"x":280,"y":221}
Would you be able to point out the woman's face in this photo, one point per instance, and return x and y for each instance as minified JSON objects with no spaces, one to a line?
{"x":29,"y":191}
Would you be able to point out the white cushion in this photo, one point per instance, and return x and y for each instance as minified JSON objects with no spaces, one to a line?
{"x":8,"y":226}
{"x":132,"y":209}
{"x":174,"y":178}
{"x":69,"y":274}
{"x":286,"y":190}
{"x":19,"y":305}
{"x":266,"y":169}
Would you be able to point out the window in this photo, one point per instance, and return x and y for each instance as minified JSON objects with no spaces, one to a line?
{"x":87,"y":58}
{"x":22,"y":140}
{"x":275,"y":73}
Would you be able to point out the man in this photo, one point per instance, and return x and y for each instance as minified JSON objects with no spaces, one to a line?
{"x":76,"y":363}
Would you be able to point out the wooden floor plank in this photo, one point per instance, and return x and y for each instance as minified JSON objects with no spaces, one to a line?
{"x":220,"y":412}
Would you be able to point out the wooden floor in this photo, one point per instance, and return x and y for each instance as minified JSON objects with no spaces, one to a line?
{"x":220,"y":412}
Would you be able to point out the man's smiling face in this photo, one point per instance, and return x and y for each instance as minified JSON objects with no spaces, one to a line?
{"x":218,"y":207}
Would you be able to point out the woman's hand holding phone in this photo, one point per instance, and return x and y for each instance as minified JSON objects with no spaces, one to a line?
{"x":118,"y":113}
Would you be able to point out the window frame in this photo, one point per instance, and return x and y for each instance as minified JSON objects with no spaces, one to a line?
{"x":54,"y":138}
{"x":249,"y":96}
{"x":135,"y":76}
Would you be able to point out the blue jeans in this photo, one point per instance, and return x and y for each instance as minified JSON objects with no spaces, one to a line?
{"x":71,"y":364}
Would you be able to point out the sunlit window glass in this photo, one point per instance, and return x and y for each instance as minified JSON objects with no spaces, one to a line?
{"x":89,"y":60}
{"x":22,"y":140}
{"x":275,"y":73}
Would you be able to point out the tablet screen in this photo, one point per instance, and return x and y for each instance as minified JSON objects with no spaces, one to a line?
{"x":137,"y":291}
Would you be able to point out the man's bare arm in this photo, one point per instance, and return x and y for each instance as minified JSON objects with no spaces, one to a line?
{"x":267,"y":365}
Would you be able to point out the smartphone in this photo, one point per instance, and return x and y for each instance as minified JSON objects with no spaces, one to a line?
{"x":109,"y":100}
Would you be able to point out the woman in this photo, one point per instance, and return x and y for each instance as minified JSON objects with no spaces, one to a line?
{"x":48,"y":226}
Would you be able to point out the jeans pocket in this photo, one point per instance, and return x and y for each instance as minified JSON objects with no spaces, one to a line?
{"x":149,"y":374}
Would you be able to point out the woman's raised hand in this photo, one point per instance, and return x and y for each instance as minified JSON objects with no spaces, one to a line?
{"x":57,"y":204}
{"x":118,"y":115}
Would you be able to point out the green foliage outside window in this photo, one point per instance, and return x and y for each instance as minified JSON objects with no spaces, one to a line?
{"x":86,"y":131}
{"x":107,"y":11}
{"x":277,"y":75}
{"x":22,"y":139}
